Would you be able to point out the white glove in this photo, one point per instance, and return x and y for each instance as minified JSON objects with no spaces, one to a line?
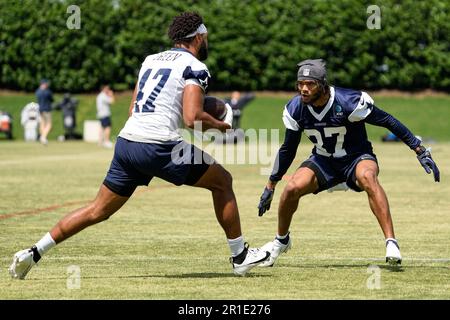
{"x":229,"y":116}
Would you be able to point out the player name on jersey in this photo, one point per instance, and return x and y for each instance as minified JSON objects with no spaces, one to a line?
{"x":167,"y":56}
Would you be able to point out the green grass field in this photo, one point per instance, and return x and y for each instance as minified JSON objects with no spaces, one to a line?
{"x":165,"y":242}
{"x":425,"y":116}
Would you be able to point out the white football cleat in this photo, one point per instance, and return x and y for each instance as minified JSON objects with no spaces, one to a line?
{"x":393,"y":256}
{"x":22,"y":263}
{"x":253,"y":257}
{"x":275,"y":248}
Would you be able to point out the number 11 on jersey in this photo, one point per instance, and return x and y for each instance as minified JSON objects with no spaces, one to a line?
{"x":148,"y":106}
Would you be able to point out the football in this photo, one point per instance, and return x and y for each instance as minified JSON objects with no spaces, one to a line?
{"x":215,"y":107}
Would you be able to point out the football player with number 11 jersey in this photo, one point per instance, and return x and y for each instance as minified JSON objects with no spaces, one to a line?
{"x":170,"y":90}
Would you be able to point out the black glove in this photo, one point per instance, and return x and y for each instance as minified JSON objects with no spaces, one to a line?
{"x":424,"y":157}
{"x":265,"y":201}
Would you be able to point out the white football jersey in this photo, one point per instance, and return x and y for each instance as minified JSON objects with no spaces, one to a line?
{"x":158,"y":111}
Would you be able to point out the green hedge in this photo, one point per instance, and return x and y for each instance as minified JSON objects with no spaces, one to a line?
{"x":254,"y":45}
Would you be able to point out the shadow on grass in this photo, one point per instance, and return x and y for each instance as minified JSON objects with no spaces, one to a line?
{"x":207,"y":275}
{"x":360,"y":266}
{"x":280,"y":268}
{"x":384,"y":267}
{"x":363,"y":265}
{"x":215,"y":275}
{"x":393,"y":268}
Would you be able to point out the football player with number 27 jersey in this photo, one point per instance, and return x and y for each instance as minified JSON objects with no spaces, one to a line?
{"x":334,"y":121}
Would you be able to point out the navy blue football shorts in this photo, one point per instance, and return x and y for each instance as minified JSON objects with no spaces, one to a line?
{"x":332,"y":171}
{"x":105,"y":122}
{"x":136,"y":163}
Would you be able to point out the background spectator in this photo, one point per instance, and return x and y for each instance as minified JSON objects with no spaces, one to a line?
{"x":45,"y":98}
{"x":238,"y":102}
{"x":104,"y":100}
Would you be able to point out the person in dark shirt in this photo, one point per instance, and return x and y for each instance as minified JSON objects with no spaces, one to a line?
{"x":45,"y":98}
{"x":238,"y":102}
{"x":334,"y":120}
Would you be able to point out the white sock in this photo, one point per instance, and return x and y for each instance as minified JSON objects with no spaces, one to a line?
{"x":45,"y":244}
{"x":390,"y":239}
{"x":236,"y":246}
{"x":282,"y":237}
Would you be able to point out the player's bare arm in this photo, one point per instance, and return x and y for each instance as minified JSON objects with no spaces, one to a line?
{"x":193,"y":97}
{"x":170,"y":87}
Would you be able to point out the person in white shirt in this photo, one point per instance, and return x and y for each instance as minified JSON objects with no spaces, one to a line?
{"x":104,"y":100}
{"x":170,"y":90}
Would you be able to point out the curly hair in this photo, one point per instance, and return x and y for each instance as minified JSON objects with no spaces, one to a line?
{"x":184,"y":24}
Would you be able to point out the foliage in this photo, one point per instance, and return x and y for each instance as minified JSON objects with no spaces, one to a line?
{"x":254,"y":45}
